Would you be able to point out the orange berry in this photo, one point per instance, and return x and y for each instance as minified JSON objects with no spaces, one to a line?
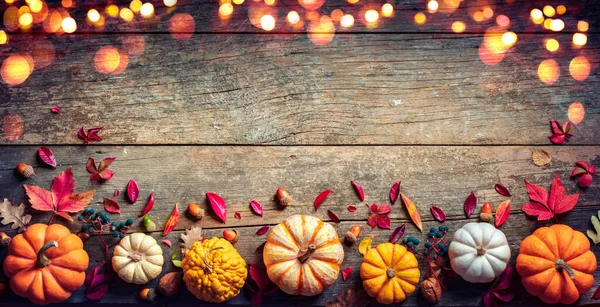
{"x":231,"y":235}
{"x":284,"y":197}
{"x":355,"y":230}
{"x":195,"y":211}
{"x":352,"y":234}
{"x":487,"y":208}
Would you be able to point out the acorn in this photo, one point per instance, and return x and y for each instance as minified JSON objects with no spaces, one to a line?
{"x":148,"y":294}
{"x":352,"y":234}
{"x":148,"y":224}
{"x":284,"y":197}
{"x":231,"y":235}
{"x":25,"y":170}
{"x":84,"y":236}
{"x":195,"y":211}
{"x":486,"y":212}
{"x":4,"y":239}
{"x":170,"y":284}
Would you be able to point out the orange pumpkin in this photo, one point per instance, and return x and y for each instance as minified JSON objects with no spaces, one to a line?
{"x":556,"y":264}
{"x":46,"y":263}
{"x":303,"y":255}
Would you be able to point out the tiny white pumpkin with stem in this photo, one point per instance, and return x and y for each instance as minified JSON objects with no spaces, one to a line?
{"x":138,"y":259}
{"x":479,"y":252}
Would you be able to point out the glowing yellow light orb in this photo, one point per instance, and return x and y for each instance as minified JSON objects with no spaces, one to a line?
{"x":3,"y":37}
{"x":225,"y":10}
{"x":576,"y":112}
{"x":322,"y":31}
{"x":10,"y":1}
{"x":420,"y":18}
{"x":107,"y":59}
{"x":112,"y":10}
{"x":182,"y":26}
{"x":147,"y":9}
{"x":561,"y":9}
{"x":172,"y":3}
{"x":126,"y":14}
{"x":293,"y":17}
{"x":135,"y":5}
{"x":371,"y":16}
{"x":583,"y":26}
{"x":557,"y":25}
{"x":458,"y":27}
{"x":353,"y":1}
{"x":509,"y":38}
{"x":548,"y":71}
{"x":387,"y":10}
{"x":503,"y":21}
{"x":269,"y":2}
{"x":26,"y":20}
{"x":67,"y":3}
{"x":15,"y":69}
{"x":69,"y":25}
{"x":93,"y":15}
{"x":537,"y":16}
{"x":478,"y":16}
{"x":347,"y":21}
{"x":267,"y":22}
{"x":579,"y":68}
{"x":579,"y":39}
{"x":336,"y":15}
{"x":552,"y":45}
{"x":432,"y":6}
{"x":549,"y":11}
{"x":36,"y":6}
{"x":488,"y":13}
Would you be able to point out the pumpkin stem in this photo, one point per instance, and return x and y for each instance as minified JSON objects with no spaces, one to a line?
{"x":42,"y":260}
{"x":135,"y":257}
{"x":562,"y":265}
{"x":480,"y":250}
{"x":305,"y":254}
{"x":390,"y":272}
{"x":206,"y":264}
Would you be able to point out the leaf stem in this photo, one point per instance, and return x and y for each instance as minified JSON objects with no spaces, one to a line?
{"x":52,"y":218}
{"x":433,"y":272}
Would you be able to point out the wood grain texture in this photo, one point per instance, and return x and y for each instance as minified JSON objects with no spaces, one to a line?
{"x":283,"y":89}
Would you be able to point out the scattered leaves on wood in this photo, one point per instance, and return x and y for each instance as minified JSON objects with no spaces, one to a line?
{"x":540,"y":157}
{"x":585,"y":172}
{"x":100,"y":172}
{"x":503,"y":289}
{"x":346,"y":273}
{"x":116,"y":194}
{"x":502,"y":190}
{"x":10,"y":213}
{"x":438,"y":213}
{"x":559,"y":133}
{"x":502,"y":213}
{"x":133,"y":191}
{"x":470,"y":204}
{"x":62,"y":198}
{"x":47,"y":156}
{"x":334,"y":217}
{"x":350,"y":298}
{"x":261,"y":231}
{"x":545,"y":205}
{"x":397,"y":233}
{"x":321,"y":198}
{"x":256,"y":207}
{"x":237,"y":215}
{"x":90,"y":135}
{"x":96,"y":282}
{"x":190,"y":236}
{"x":365,"y":245}
{"x":351,"y":208}
{"x":149,"y":205}
{"x":167,"y":242}
{"x":172,"y":221}
{"x":111,"y":206}
{"x":412,"y":211}
{"x":595,"y":236}
{"x":359,"y":190}
{"x":259,"y":284}
{"x":55,"y":110}
{"x":394,"y":192}
{"x":379,"y":216}
{"x":218,"y":205}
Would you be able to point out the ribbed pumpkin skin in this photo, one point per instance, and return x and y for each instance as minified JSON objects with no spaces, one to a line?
{"x":149,"y":264}
{"x":287,"y":241}
{"x":537,"y":258}
{"x":376,"y":281}
{"x":54,"y":283}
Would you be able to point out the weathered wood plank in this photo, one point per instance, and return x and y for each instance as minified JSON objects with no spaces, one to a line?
{"x":282,"y":89}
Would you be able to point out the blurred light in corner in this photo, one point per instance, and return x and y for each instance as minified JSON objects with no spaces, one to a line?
{"x":67,"y":3}
{"x":107,"y":59}
{"x":552,"y":45}
{"x":69,"y":25}
{"x":182,"y":26}
{"x":93,"y":15}
{"x":135,"y":5}
{"x":293,"y":17}
{"x":133,"y":44}
{"x":270,"y":2}
{"x":432,"y":6}
{"x":336,"y":15}
{"x":583,"y":26}
{"x":267,"y":22}
{"x":126,"y":14}
{"x":537,"y":16}
{"x":576,"y":112}
{"x":36,"y":6}
{"x":371,"y":16}
{"x":225,"y":10}
{"x":509,"y":38}
{"x":43,"y":53}
{"x":353,"y":1}
{"x":387,"y":10}
{"x":123,"y":62}
{"x":112,"y":10}
{"x":557,"y":25}
{"x":15,"y":69}
{"x":347,"y":21}
{"x":579,"y":39}
{"x":579,"y":68}
{"x":3,"y":37}
{"x":147,"y":9}
{"x":322,"y":31}
{"x":549,"y":11}
{"x":488,"y":13}
{"x":53,"y":22}
{"x":478,"y":16}
{"x":311,"y":4}
{"x":171,"y":3}
{"x":548,"y":71}
{"x":420,"y":18}
{"x":458,"y":27}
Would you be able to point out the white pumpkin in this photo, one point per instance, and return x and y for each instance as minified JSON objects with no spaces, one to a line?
{"x":138,"y":258}
{"x":479,"y":252}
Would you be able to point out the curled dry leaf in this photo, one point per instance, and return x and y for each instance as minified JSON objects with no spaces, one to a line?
{"x":116,"y":194}
{"x":585,"y":172}
{"x":333,"y":216}
{"x":261,"y":231}
{"x":111,"y":205}
{"x":172,"y":221}
{"x":365,"y":245}
{"x":321,"y":198}
{"x":412,"y":211}
{"x":218,"y":205}
{"x":559,"y":133}
{"x":350,"y":298}
{"x":470,"y":204}
{"x":149,"y":205}
{"x":359,"y":190}
{"x":190,"y":236}
{"x":502,"y":213}
{"x":503,"y":289}
{"x":394,"y":192}
{"x":100,"y":172}
{"x":47,"y":156}
{"x":346,"y":273}
{"x":237,"y":215}
{"x":502,"y":190}
{"x":89,"y":135}
{"x":133,"y":191}
{"x":55,"y":110}
{"x":96,"y":282}
{"x":540,"y":157}
{"x":167,"y":242}
{"x":595,"y":236}
{"x":351,"y":208}
{"x":14,"y":214}
{"x":256,"y":207}
{"x":398,"y":233}
{"x":438,"y":213}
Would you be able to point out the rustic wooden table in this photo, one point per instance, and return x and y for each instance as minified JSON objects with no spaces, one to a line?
{"x":240,"y":112}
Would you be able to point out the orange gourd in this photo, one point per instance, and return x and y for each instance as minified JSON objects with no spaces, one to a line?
{"x":556,"y":264}
{"x":46,"y":263}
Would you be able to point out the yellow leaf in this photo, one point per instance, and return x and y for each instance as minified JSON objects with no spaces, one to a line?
{"x":412,"y":211}
{"x":365,"y":245}
{"x":540,"y":157}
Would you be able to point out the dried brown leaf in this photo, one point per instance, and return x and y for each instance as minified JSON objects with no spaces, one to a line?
{"x":350,"y":298}
{"x":190,"y":236}
{"x":540,"y":157}
{"x":14,"y":214}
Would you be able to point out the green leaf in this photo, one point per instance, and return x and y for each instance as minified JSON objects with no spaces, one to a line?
{"x":176,"y":262}
{"x":596,"y":224}
{"x":593,"y":236}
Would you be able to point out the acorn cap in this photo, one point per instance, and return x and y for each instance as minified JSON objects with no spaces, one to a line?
{"x":350,"y":237}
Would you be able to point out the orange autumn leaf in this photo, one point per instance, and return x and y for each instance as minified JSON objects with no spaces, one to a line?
{"x":172,"y":221}
{"x":412,"y":211}
{"x":502,"y":213}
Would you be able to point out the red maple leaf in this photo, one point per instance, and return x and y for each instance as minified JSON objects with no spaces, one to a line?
{"x":379,"y":216}
{"x":545,"y":205}
{"x":586,"y":171}
{"x":62,"y":199}
{"x":90,"y":135}
{"x":559,"y":133}
{"x":100,"y":172}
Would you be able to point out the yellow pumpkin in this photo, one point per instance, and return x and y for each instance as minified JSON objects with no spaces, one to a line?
{"x":303,"y":255}
{"x":213,"y":270}
{"x":390,"y":273}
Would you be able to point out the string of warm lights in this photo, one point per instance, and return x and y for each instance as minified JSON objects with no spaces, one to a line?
{"x":309,"y":16}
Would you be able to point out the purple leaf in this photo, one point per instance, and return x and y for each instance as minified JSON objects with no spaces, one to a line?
{"x":47,"y":156}
{"x":470,"y":204}
{"x":359,"y":190}
{"x":333,"y":216}
{"x":438,"y":213}
{"x":398,"y":233}
{"x":218,"y":205}
{"x":502,"y":190}
{"x":394,"y":192}
{"x":256,"y":207}
{"x":261,"y":231}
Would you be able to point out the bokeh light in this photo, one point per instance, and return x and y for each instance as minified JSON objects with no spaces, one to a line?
{"x":503,"y":21}
{"x":270,"y":2}
{"x":493,"y":40}
{"x":579,"y":39}
{"x":509,"y":38}
{"x":347,"y":21}
{"x":182,"y":26}
{"x":172,"y":3}
{"x":225,"y":10}
{"x":311,"y":4}
{"x":43,"y":53}
{"x":579,"y":68}
{"x":488,"y":13}
{"x":336,"y":15}
{"x":293,"y":17}
{"x":458,"y":26}
{"x":126,"y":14}
{"x":490,"y":58}
{"x":107,"y":59}
{"x":15,"y":69}
{"x":135,"y":5}
{"x":537,"y":16}
{"x":238,"y":2}
{"x":25,"y":20}
{"x":11,"y":18}
{"x":3,"y":37}
{"x":548,"y":71}
{"x":69,"y":25}
{"x":93,"y":15}
{"x":147,"y":9}
{"x":552,"y":45}
{"x":123,"y":62}
{"x":321,"y":32}
{"x":112,"y":10}
{"x":67,"y":3}
{"x":267,"y":22}
{"x":420,"y":18}
{"x":371,"y":16}
{"x":561,"y":9}
{"x":557,"y":25}
{"x":387,"y":10}
{"x":133,"y":44}
{"x":583,"y":26}
{"x":53,"y":23}
{"x":432,"y":6}
{"x":549,"y":11}
{"x":36,"y":6}
{"x":576,"y":112}
{"x":478,"y":16}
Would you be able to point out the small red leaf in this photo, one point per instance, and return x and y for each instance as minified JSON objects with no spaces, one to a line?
{"x":470,"y":204}
{"x":261,"y":231}
{"x":585,"y":180}
{"x":596,"y":295}
{"x":167,"y":242}
{"x":394,"y":192}
{"x":502,"y":213}
{"x":502,"y":190}
{"x":172,"y":221}
{"x":372,"y":220}
{"x":321,"y":198}
{"x":149,"y":205}
{"x":438,"y":213}
{"x":333,"y":216}
{"x":111,"y":205}
{"x":218,"y":205}
{"x":116,"y":194}
{"x":398,"y":233}
{"x":133,"y":191}
{"x":47,"y":156}
{"x":89,"y":135}
{"x":383,"y":222}
{"x":256,"y":207}
{"x":346,"y":273}
{"x":351,"y":208}
{"x":383,"y":209}
{"x":55,"y":110}
{"x":359,"y":190}
{"x":237,"y":215}
{"x":65,"y":216}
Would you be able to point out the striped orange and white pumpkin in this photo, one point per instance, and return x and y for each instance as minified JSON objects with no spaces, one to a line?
{"x":303,"y":255}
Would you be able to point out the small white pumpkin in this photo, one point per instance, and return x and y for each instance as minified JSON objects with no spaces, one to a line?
{"x":138,"y":259}
{"x":479,"y":252}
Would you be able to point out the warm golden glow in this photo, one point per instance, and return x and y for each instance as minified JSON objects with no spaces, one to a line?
{"x":509,"y":38}
{"x":267,"y":22}
{"x":133,"y":44}
{"x":11,"y":18}
{"x":552,"y":45}
{"x":225,"y":10}
{"x":69,"y":25}
{"x":182,"y":26}
{"x":561,"y":9}
{"x":353,"y":1}
{"x":147,"y":9}
{"x":312,"y":15}
{"x":371,"y":16}
{"x":112,"y":10}
{"x":171,"y":3}
{"x":36,"y":6}
{"x":579,"y":68}
{"x":15,"y":69}
{"x":135,"y":5}
{"x":347,"y":21}
{"x":493,"y":40}
{"x":458,"y":26}
{"x":420,"y":18}
{"x":26,"y":20}
{"x":557,"y":25}
{"x":583,"y":26}
{"x":537,"y":16}
{"x":489,"y":58}
{"x":10,"y":1}
{"x":547,"y":23}
{"x":53,"y":23}
{"x":549,"y":11}
{"x":579,"y":39}
{"x":43,"y":53}
{"x":126,"y":14}
{"x":311,"y":4}
{"x":478,"y":16}
{"x":321,"y":32}
{"x":336,"y":15}
{"x":106,"y":59}
{"x":293,"y":17}
{"x":432,"y":6}
{"x":576,"y":112}
{"x":93,"y":15}
{"x":548,"y":71}
{"x":503,"y":21}
{"x":3,"y":37}
{"x":488,"y":13}
{"x":123,"y":62}
{"x":387,"y":10}
{"x":67,"y":3}
{"x":269,"y":2}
